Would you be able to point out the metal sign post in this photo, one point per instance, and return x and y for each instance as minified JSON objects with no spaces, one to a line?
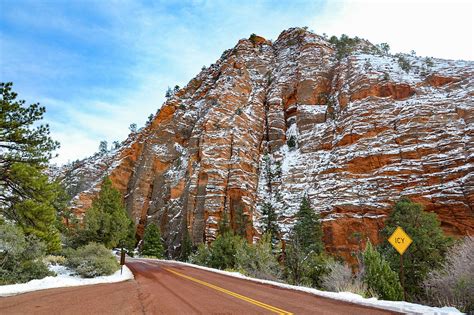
{"x":400,"y":241}
{"x":122,"y":259}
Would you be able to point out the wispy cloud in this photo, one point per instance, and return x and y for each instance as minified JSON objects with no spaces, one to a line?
{"x":100,"y":65}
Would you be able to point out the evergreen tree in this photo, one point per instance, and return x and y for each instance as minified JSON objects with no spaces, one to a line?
{"x":241,"y":222}
{"x":384,"y":48}
{"x":304,"y":260}
{"x":130,"y":241}
{"x":169,"y":92}
{"x":186,"y":247}
{"x":107,"y":221}
{"x":150,"y":118}
{"x":428,"y":249}
{"x":224,"y":226}
{"x":152,"y":243}
{"x":133,"y":128}
{"x":27,"y":197}
{"x":379,"y":277}
{"x":269,"y":219}
{"x":116,"y":145}
{"x":103,"y":147}
{"x":223,"y":251}
{"x":308,"y":228}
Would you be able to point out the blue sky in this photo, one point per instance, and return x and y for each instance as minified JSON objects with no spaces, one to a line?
{"x":100,"y":65}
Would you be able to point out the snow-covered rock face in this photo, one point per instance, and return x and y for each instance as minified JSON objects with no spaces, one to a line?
{"x":366,"y":132}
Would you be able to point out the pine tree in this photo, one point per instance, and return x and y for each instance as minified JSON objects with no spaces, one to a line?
{"x":223,"y":251}
{"x":152,"y":243}
{"x":103,"y":147}
{"x":269,"y":218}
{"x":107,"y":221}
{"x":308,"y":228}
{"x":428,"y":249}
{"x":115,"y":145}
{"x":186,"y":247}
{"x":224,"y":225}
{"x":305,"y":261}
{"x":241,"y":222}
{"x":379,"y":277}
{"x":133,"y":128}
{"x":150,"y":118}
{"x":27,"y":197}
{"x":169,"y":92}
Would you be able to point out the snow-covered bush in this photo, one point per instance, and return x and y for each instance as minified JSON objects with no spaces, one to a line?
{"x":341,"y":279}
{"x":91,"y":260}
{"x":453,"y":284}
{"x":21,"y":257}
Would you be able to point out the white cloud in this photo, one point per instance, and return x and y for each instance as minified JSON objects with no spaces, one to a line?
{"x":161,"y":44}
{"x":443,"y":29}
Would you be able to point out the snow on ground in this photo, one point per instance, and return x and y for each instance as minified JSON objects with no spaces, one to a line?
{"x":397,"y":306}
{"x":63,"y":279}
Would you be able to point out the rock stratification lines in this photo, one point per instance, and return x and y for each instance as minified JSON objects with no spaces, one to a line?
{"x":272,"y":122}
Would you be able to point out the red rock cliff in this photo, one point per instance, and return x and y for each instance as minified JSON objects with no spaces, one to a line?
{"x":366,"y":133}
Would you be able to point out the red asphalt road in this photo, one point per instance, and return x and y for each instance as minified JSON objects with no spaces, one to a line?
{"x":168,"y":288}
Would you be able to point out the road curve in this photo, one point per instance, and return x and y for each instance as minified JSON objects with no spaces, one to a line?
{"x":168,"y":288}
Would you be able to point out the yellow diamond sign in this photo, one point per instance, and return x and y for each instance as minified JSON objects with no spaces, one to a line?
{"x":400,"y":240}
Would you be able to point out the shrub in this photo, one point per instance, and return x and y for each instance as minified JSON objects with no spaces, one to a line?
{"x":291,"y":142}
{"x":403,"y":63}
{"x":253,"y":38}
{"x":20,"y":256}
{"x":453,"y":284}
{"x":223,"y":251}
{"x":258,"y":260}
{"x":379,"y":277}
{"x":303,"y":268}
{"x":91,"y":260}
{"x":315,"y":268}
{"x":202,"y":256}
{"x":429,"y":62}
{"x":340,"y":279}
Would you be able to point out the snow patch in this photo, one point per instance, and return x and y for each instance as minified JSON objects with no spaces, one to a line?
{"x":64,"y":278}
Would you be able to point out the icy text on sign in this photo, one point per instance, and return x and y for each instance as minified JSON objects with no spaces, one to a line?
{"x":400,"y":240}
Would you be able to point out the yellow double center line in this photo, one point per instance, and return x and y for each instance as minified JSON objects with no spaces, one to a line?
{"x":239,"y":296}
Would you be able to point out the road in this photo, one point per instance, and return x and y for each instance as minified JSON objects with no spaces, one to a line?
{"x":168,"y":288}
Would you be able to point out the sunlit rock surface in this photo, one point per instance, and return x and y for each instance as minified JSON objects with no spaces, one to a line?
{"x":366,"y":133}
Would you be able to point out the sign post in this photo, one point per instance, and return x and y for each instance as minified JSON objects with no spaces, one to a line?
{"x":122,"y":259}
{"x":400,"y":241}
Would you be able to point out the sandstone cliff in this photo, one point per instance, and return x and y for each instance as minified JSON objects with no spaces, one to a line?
{"x":365,"y":132}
